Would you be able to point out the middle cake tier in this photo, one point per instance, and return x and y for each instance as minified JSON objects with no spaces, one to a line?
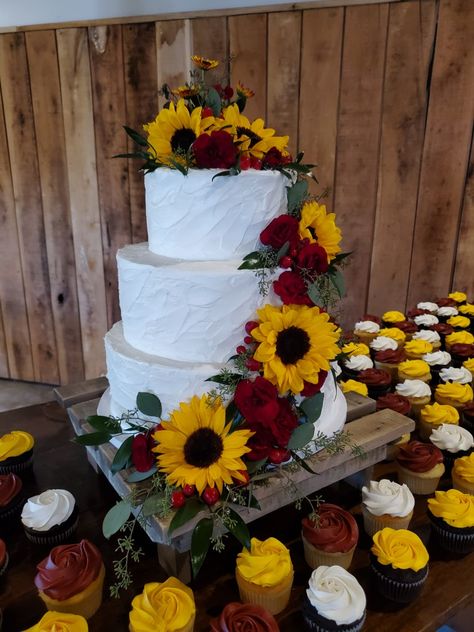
{"x":206,"y":326}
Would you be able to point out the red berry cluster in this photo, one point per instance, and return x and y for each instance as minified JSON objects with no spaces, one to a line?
{"x":248,"y":351}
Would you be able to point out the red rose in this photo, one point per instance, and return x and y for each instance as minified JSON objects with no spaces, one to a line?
{"x":224,"y":92}
{"x":292,"y":290}
{"x":280,"y":230}
{"x":260,"y":445}
{"x":214,"y":151}
{"x":313,"y":257}
{"x":284,"y":424}
{"x":257,"y":400}
{"x":142,"y":457}
{"x":311,"y":389}
{"x":274,"y":158}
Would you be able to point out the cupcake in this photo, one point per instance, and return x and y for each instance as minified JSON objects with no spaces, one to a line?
{"x":389,"y":361}
{"x":399,"y":562}
{"x":331,"y":538}
{"x":51,"y":517}
{"x":468,"y":311}
{"x":458,"y":297}
{"x":394,"y":333}
{"x":454,"y":394}
{"x":11,"y":500}
{"x":16,"y":452}
{"x":383,"y":343}
{"x":416,"y":349}
{"x":265,"y":574}
{"x":467,"y":417}
{"x":460,"y":353}
{"x":414,"y":370}
{"x":3,"y":558}
{"x":453,"y":441}
{"x":167,"y":606}
{"x":420,"y":466}
{"x":243,"y":617}
{"x":458,"y":338}
{"x":71,"y":579}
{"x":452,"y":374}
{"x":408,"y":327}
{"x":386,"y":504}
{"x":463,"y":474}
{"x":366,"y":330}
{"x":424,"y":321}
{"x":459,"y":322}
{"x":446,"y":302}
{"x":378,"y":382}
{"x":353,"y":386}
{"x":437,"y":360}
{"x":469,"y":365}
{"x":417,"y":392}
{"x":352,"y":366}
{"x":428,"y":307}
{"x":334,"y":601}
{"x":430,"y":336}
{"x":433,"y":415}
{"x":392,"y":318}
{"x":60,"y":622}
{"x":416,"y":311}
{"x":452,"y":520}
{"x":446,"y":312}
{"x":355,"y":348}
{"x":443,"y":329}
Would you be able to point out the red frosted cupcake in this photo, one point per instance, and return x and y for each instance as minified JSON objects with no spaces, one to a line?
{"x":460,"y":353}
{"x":240,"y":617}
{"x":11,"y":500}
{"x":377,"y":381}
{"x":420,"y":466}
{"x":389,"y":360}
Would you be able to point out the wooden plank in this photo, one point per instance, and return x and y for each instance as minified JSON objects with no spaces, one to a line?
{"x":139,"y":53}
{"x":248,"y":60}
{"x":284,"y":42}
{"x":410,"y":41}
{"x":357,"y":146}
{"x":15,"y":319}
{"x":321,"y":52}
{"x":210,"y":39}
{"x":82,"y":177}
{"x":108,"y":97}
{"x":71,"y":394}
{"x":49,"y":126}
{"x":21,"y":137}
{"x":359,"y":406}
{"x":464,"y":266}
{"x":4,"y":370}
{"x":173,"y":50}
{"x":445,"y":153}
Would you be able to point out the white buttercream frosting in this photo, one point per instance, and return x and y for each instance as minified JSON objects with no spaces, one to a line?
{"x":452,"y":438}
{"x":358,"y":363}
{"x":426,"y":319}
{"x":451,"y":374}
{"x":48,"y":509}
{"x":428,"y":305}
{"x":367,"y":326}
{"x":383,"y":343}
{"x":413,"y":388}
{"x":428,"y":335}
{"x":197,"y":218}
{"x":446,"y":312}
{"x":387,"y":497}
{"x":336,"y":594}
{"x":437,"y":358}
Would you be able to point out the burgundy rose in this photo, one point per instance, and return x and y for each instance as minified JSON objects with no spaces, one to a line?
{"x":313,"y":257}
{"x":311,"y":389}
{"x":260,"y":444}
{"x":142,"y":457}
{"x":274,"y":158}
{"x":280,"y":230}
{"x":215,"y":150}
{"x":225,"y":92}
{"x":257,"y":400}
{"x":284,"y":424}
{"x":292,"y":290}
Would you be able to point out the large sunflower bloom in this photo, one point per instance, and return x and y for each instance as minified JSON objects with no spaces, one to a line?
{"x":196,"y":447}
{"x":253,"y":138}
{"x":174,"y":130}
{"x":319,"y":226}
{"x":296,"y":343}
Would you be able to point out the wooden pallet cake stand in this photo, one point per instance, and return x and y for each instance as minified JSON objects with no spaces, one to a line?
{"x":371,"y":431}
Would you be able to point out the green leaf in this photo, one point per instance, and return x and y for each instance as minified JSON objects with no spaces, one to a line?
{"x":312,"y":406}
{"x":137,"y":477}
{"x":254,"y":466}
{"x":226,"y":378}
{"x":149,"y":404}
{"x":337,"y":280}
{"x":252,"y":261}
{"x":179,"y":166}
{"x":93,"y":438}
{"x":313,"y":293}
{"x":200,"y":541}
{"x":296,"y":194}
{"x":253,"y":502}
{"x":99,"y":422}
{"x":301,"y":436}
{"x":230,"y":411}
{"x":221,"y":173}
{"x":116,"y":517}
{"x":123,"y":456}
{"x":186,"y":513}
{"x":136,"y":137}
{"x":340,"y":257}
{"x":239,"y":530}
{"x":283,"y":250}
{"x":303,"y":463}
{"x":213,"y":101}
{"x":152,"y":505}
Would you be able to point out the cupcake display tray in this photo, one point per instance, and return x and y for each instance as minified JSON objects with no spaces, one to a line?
{"x":371,"y":431}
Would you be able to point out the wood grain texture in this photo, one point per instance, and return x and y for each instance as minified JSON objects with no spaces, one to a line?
{"x":321,"y":52}
{"x":210,"y":39}
{"x":28,"y":205}
{"x":173,"y":50}
{"x":283,"y":75}
{"x":445,"y":153}
{"x":108,"y":96}
{"x":83,"y":188}
{"x":464,"y":266}
{"x":4,"y":370}
{"x":409,"y":44}
{"x":248,"y":55}
{"x":49,"y":125}
{"x":139,"y":57}
{"x":358,"y":146}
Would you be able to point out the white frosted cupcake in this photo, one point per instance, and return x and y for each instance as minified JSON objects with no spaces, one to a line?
{"x":429,"y":306}
{"x":453,"y":441}
{"x":334,"y":601}
{"x":446,"y":312}
{"x":451,"y":374}
{"x":417,"y":392}
{"x":426,"y":320}
{"x":432,"y":337}
{"x":386,"y":504}
{"x":383,"y":343}
{"x":353,"y":365}
{"x":50,"y":517}
{"x":366,"y":330}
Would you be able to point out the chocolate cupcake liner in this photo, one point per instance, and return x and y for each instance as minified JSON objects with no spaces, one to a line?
{"x":51,"y":539}
{"x":400,"y":592}
{"x":458,"y":543}
{"x":315,"y":622}
{"x":15,"y":465}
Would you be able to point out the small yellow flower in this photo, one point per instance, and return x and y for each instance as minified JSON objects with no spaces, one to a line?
{"x":185,"y":92}
{"x":242,"y":91}
{"x":204,"y":63}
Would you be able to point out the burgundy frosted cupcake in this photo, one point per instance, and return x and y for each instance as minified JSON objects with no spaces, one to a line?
{"x":443,"y":329}
{"x":420,"y":466}
{"x":413,"y":313}
{"x":244,"y":617}
{"x":445,"y":302}
{"x":377,"y":381}
{"x":389,"y":360}
{"x":460,"y":353}
{"x":408,"y":327}
{"x":11,"y":501}
{"x":373,"y":318}
{"x":467,"y":417}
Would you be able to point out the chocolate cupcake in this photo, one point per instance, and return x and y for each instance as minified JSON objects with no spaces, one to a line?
{"x":460,"y":353}
{"x":443,"y":329}
{"x":11,"y":501}
{"x":50,"y":517}
{"x":378,"y":382}
{"x":452,"y":520}
{"x":437,"y":361}
{"x":453,"y":441}
{"x":396,"y":402}
{"x":446,"y":302}
{"x":413,"y":313}
{"x":237,"y":617}
{"x":352,"y":366}
{"x":446,"y":312}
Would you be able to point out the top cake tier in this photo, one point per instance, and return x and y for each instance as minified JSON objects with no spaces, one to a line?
{"x":196,"y":218}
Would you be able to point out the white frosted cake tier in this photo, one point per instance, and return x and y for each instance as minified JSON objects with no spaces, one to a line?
{"x":193,"y":217}
{"x":190,"y":311}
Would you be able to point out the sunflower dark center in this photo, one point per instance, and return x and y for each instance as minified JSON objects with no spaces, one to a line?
{"x":203,"y":448}
{"x":182,"y":140}
{"x":245,"y":131}
{"x":292,"y":344}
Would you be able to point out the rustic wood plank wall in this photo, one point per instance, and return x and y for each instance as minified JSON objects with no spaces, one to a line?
{"x":380,"y":96}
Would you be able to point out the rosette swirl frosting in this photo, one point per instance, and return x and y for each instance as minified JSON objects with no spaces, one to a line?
{"x":48,"y":509}
{"x":462,"y":350}
{"x":439,"y":414}
{"x":454,"y":507}
{"x":336,"y":594}
{"x":461,"y":322}
{"x":459,"y":297}
{"x":414,"y":368}
{"x":244,"y":617}
{"x":461,"y":393}
{"x":166,"y":607}
{"x":335,"y":530}
{"x":413,"y":388}
{"x":437,"y":358}
{"x":407,"y":326}
{"x":443,"y":329}
{"x":464,"y":467}
{"x":418,"y":347}
{"x":401,"y":548}
{"x":469,"y":365}
{"x":394,"y":401}
{"x":390,"y":356}
{"x":60,"y":622}
{"x":266,"y":564}
{"x":387,"y":497}
{"x":427,"y":334}
{"x":375,"y":377}
{"x":68,"y":570}
{"x":452,"y":438}
{"x":451,"y":374}
{"x":394,"y":333}
{"x":425,"y":320}
{"x":15,"y":443}
{"x":468,"y":308}
{"x":429,"y":306}
{"x":393,"y":316}
{"x":10,"y":487}
{"x":447,"y":311}
{"x":460,"y":338}
{"x":355,"y":348}
{"x":353,"y":386}
{"x":367,"y":326}
{"x":358,"y":363}
{"x":383,"y":343}
{"x":419,"y":457}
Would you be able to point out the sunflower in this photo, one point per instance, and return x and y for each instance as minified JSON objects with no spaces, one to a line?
{"x":185,"y":92}
{"x":242,"y":91}
{"x":196,"y":447}
{"x":174,"y":130}
{"x":319,"y":226}
{"x":296,"y":342}
{"x":252,"y":137}
{"x":204,"y":63}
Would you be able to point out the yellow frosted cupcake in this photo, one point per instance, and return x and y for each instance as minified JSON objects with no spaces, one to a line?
{"x":430,"y":336}
{"x":469,"y":365}
{"x":395,"y":334}
{"x":458,"y":338}
{"x":433,"y":415}
{"x":415,"y":349}
{"x":414,"y":370}
{"x":355,"y":348}
{"x":60,"y":622}
{"x":454,"y":394}
{"x":459,"y":322}
{"x":168,"y":606}
{"x":458,"y":297}
{"x":16,"y":452}
{"x":353,"y":386}
{"x":393,"y":317}
{"x":462,"y":474}
{"x":452,"y":518}
{"x":265,"y":574}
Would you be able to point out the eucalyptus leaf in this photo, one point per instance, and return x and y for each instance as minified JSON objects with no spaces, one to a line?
{"x":296,"y":194}
{"x":238,"y":529}
{"x":100,"y":422}
{"x":137,"y":477}
{"x":314,"y":295}
{"x":254,"y":466}
{"x":152,"y":505}
{"x":213,"y":101}
{"x":340,"y":257}
{"x":186,"y":513}
{"x":312,"y":406}
{"x":230,"y":411}
{"x":226,"y":378}
{"x":200,"y":542}
{"x":283,"y":250}
{"x":123,"y":456}
{"x":149,"y":404}
{"x":301,"y":436}
{"x":221,"y":173}
{"x":116,"y":517}
{"x":93,"y":438}
{"x":337,"y":280}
